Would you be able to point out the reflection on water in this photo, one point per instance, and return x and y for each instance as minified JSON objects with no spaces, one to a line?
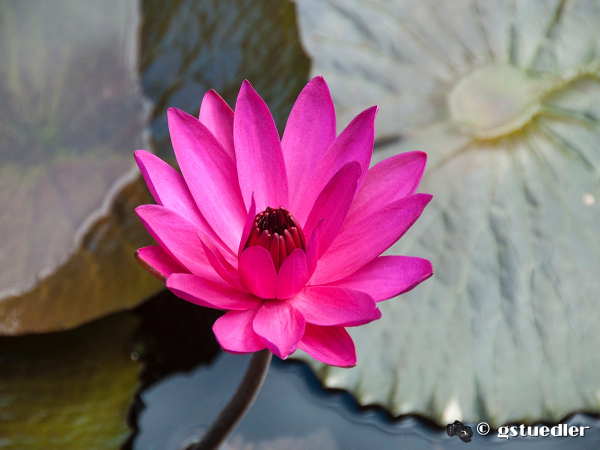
{"x":292,"y":411}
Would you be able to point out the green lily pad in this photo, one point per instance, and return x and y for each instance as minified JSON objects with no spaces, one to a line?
{"x":505,"y":98}
{"x":68,"y":390}
{"x":71,"y":115}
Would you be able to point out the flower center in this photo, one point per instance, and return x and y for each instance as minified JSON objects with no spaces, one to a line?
{"x":279,"y":232}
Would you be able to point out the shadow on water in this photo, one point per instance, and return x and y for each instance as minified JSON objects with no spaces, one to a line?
{"x":187,"y":380}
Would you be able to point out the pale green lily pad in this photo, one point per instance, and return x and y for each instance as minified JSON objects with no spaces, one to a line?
{"x":71,"y":116}
{"x":504,"y":96}
{"x":68,"y":390}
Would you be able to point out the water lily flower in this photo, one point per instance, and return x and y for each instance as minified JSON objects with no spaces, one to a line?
{"x":285,"y":235}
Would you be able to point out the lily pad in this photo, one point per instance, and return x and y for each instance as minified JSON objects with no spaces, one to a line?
{"x":71,"y":114}
{"x":68,"y":390}
{"x":504,"y":96}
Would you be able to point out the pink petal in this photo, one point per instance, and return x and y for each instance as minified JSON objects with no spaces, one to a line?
{"x":170,"y":190}
{"x":226,"y":271}
{"x":210,"y":175}
{"x":368,"y":238}
{"x":293,"y":275}
{"x":309,"y":132}
{"x":235,"y":334}
{"x":388,"y":276}
{"x":355,"y":143}
{"x":332,"y":205}
{"x":280,"y":326}
{"x":203,"y":292}
{"x":217,"y":116}
{"x":158,"y":262}
{"x":178,"y":237}
{"x":260,"y":164}
{"x":312,"y":250}
{"x":331,"y":305}
{"x":247,"y":225}
{"x":390,"y":180}
{"x":258,"y":273}
{"x":330,"y":345}
{"x":167,"y":186}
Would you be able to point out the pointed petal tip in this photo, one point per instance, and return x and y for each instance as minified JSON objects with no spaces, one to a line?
{"x":330,"y":345}
{"x":422,"y":158}
{"x":248,"y":92}
{"x":140,"y":156}
{"x":273,"y":348}
{"x":139,"y":153}
{"x":143,"y":210}
{"x":319,"y":80}
{"x":417,"y":155}
{"x":151,"y":270}
{"x":246,"y":85}
{"x":175,"y":113}
{"x":377,"y":313}
{"x":429,"y":267}
{"x":169,"y":284}
{"x":421,"y":153}
{"x":426,"y":197}
{"x":373,"y":110}
{"x":139,"y":210}
{"x":212,"y":94}
{"x":368,"y":114}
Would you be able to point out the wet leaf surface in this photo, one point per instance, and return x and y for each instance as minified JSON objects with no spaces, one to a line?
{"x":505,"y":99}
{"x":68,"y":390}
{"x":71,"y":115}
{"x":101,"y":277}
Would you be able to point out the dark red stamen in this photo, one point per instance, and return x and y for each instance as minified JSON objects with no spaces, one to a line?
{"x":296,"y":237}
{"x":264,"y":239}
{"x":289,"y":242}
{"x":253,"y":236}
{"x":278,"y":231}
{"x":283,"y":253}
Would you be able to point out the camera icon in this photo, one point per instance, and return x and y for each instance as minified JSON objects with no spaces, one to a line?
{"x":458,"y":429}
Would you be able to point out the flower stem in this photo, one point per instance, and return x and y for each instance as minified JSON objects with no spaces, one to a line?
{"x":239,"y":404}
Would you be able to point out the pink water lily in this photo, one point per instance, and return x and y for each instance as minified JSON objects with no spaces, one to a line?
{"x":285,"y":235}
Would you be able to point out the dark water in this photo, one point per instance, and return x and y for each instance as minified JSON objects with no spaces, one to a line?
{"x":292,"y":411}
